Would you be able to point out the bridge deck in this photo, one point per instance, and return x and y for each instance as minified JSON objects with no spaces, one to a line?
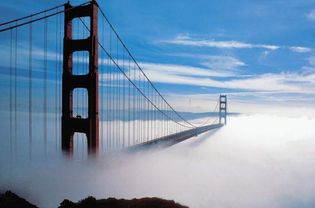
{"x":174,"y":138}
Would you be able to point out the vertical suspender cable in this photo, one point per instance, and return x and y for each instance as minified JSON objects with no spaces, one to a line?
{"x":123,"y":113}
{"x":148,"y":117}
{"x":151,"y":115}
{"x":117,"y":87}
{"x":60,"y":61}
{"x":117,"y":130}
{"x":56,"y":82}
{"x":57,"y":78}
{"x":153,"y":119}
{"x":129,"y":101}
{"x":85,"y":65}
{"x":81,"y":67}
{"x":11,"y":102}
{"x":111,"y":95}
{"x":102,"y":89}
{"x":77,"y":63}
{"x":30,"y":89}
{"x":140,"y":127}
{"x":134,"y":108}
{"x":138,"y":109}
{"x":144,"y":112}
{"x":15,"y":91}
{"x":147,"y":111}
{"x":45,"y":84}
{"x":108,"y":105}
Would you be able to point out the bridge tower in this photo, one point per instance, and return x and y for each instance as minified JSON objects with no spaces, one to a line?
{"x":223,"y":111}
{"x":89,"y":81}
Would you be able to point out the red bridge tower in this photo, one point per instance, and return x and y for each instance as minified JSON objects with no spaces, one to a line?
{"x":89,"y":81}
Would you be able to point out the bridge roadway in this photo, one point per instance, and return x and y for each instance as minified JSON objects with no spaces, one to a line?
{"x":173,"y":138}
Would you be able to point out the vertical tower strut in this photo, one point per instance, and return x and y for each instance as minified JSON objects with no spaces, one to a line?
{"x":70,"y":124}
{"x":223,"y":106}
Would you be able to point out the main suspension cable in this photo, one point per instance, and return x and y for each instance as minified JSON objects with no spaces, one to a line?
{"x":35,"y":19}
{"x":138,"y":66}
{"x":138,"y":89}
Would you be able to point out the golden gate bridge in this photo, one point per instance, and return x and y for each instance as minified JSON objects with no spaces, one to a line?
{"x":67,"y":76}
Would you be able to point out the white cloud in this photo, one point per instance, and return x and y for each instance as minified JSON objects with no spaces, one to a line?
{"x":311,"y":15}
{"x":299,"y":49}
{"x":222,"y":62}
{"x":215,"y":62}
{"x":311,"y":60}
{"x":271,"y":82}
{"x":245,"y":102}
{"x":188,"y":41}
{"x":183,"y":70}
{"x":264,"y":55}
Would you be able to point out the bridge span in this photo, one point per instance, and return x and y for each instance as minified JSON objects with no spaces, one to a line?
{"x":68,"y":68}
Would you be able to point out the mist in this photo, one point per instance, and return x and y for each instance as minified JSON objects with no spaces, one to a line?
{"x":254,"y":161}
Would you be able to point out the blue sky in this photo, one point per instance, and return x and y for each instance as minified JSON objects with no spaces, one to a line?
{"x":256,"y":51}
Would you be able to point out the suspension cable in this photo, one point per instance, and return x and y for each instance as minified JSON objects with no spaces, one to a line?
{"x":138,"y":66}
{"x":138,"y":89}
{"x":32,"y":15}
{"x":36,"y":19}
{"x":205,"y":123}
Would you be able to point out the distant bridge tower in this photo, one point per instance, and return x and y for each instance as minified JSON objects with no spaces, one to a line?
{"x":89,"y":81}
{"x":223,"y":107}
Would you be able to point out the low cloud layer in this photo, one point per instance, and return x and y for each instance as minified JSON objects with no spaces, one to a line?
{"x":254,"y":161}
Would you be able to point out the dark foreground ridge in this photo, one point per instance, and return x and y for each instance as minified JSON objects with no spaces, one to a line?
{"x":121,"y":203}
{"x":11,"y":200}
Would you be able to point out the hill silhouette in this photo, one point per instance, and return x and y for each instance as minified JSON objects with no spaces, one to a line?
{"x":91,"y":202}
{"x":11,"y":200}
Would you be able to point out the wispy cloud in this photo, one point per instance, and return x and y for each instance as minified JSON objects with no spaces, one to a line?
{"x":247,"y":99}
{"x":311,"y":15}
{"x":183,"y":70}
{"x":299,"y":49}
{"x":222,"y":62}
{"x":188,"y":41}
{"x":311,"y":60}
{"x":271,"y":82}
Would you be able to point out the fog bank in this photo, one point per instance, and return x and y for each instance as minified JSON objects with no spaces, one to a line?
{"x":254,"y":161}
